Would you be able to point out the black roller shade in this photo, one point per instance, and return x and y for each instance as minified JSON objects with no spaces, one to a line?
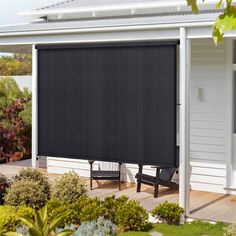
{"x":108,"y":102}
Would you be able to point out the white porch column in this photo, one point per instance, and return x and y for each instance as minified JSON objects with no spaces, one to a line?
{"x":184,"y":134}
{"x":34,"y":106}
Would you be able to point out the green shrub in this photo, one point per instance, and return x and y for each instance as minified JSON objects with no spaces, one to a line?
{"x":4,"y":184}
{"x":90,"y":208}
{"x":9,"y":219}
{"x":25,"y":211}
{"x":54,"y":204}
{"x":26,"y":192}
{"x":84,"y":209}
{"x":130,"y":216}
{"x":230,"y":230}
{"x":111,"y":204}
{"x":36,"y":176}
{"x":169,"y":213}
{"x":125,"y":213}
{"x":99,"y":227}
{"x":56,"y":207}
{"x":69,"y":188}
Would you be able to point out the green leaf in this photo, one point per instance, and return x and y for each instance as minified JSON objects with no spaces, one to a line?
{"x":27,"y":221}
{"x":34,"y":232}
{"x":66,"y":232}
{"x":13,"y":234}
{"x":225,"y":22}
{"x":57,"y":221}
{"x":38,"y":220}
{"x":217,"y":36}
{"x":218,"y":5}
{"x":193,"y":5}
{"x":44,"y":213}
{"x":47,"y":230}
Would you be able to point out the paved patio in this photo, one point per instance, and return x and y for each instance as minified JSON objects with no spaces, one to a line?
{"x":203,"y":205}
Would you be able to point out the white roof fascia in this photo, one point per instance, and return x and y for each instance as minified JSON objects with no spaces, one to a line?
{"x":109,"y":29}
{"x":133,"y":8}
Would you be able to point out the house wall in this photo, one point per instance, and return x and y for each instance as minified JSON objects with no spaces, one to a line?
{"x":208,"y":138}
{"x":207,"y":123}
{"x":24,"y":82}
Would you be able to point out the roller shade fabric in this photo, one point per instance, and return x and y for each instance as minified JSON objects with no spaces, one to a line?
{"x":108,"y":102}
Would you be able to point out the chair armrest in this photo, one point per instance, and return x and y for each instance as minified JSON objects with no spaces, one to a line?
{"x":160,"y":167}
{"x":90,"y":162}
{"x":91,"y":167}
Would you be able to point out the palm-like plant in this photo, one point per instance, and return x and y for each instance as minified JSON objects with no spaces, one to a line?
{"x":41,"y":226}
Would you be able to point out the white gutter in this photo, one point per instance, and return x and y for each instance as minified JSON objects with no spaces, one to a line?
{"x":109,"y":29}
{"x":132,"y":8}
{"x":23,"y":23}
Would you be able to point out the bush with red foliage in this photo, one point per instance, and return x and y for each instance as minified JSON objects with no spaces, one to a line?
{"x":15,"y":133}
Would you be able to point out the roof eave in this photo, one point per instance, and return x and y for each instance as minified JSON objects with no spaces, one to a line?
{"x":109,"y":29}
{"x":132,"y":9}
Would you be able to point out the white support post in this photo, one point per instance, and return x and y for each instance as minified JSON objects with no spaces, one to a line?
{"x":34,"y":106}
{"x":184,"y":134}
{"x":230,"y":116}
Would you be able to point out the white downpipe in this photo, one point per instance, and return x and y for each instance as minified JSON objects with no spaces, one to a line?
{"x":34,"y":106}
{"x":184,"y":122}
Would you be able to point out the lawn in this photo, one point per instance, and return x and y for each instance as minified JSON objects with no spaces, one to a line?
{"x":135,"y":234}
{"x":196,"y":228}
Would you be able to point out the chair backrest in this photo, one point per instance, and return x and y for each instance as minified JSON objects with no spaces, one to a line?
{"x":112,"y":166}
{"x":167,"y":174}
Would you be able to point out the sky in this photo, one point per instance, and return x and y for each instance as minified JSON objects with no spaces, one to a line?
{"x":9,"y":9}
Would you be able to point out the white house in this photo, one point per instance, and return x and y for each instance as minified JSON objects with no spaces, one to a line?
{"x":207,"y":114}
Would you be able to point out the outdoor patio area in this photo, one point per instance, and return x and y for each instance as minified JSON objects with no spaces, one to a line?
{"x":203,"y":205}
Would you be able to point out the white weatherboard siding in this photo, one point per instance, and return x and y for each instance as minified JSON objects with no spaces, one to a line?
{"x":207,"y":123}
{"x":63,"y":165}
{"x":24,"y":82}
{"x":208,"y":146}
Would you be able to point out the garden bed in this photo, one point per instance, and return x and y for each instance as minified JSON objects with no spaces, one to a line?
{"x":32,"y":204}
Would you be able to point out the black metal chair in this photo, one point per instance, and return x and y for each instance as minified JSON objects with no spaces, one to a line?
{"x":108,"y":174}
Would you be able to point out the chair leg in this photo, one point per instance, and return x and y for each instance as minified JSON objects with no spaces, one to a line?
{"x":138,"y":185}
{"x":156,"y":184}
{"x":120,"y":174}
{"x":139,"y":181}
{"x":91,"y":183}
{"x":91,"y":170}
{"x":156,"y":190}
